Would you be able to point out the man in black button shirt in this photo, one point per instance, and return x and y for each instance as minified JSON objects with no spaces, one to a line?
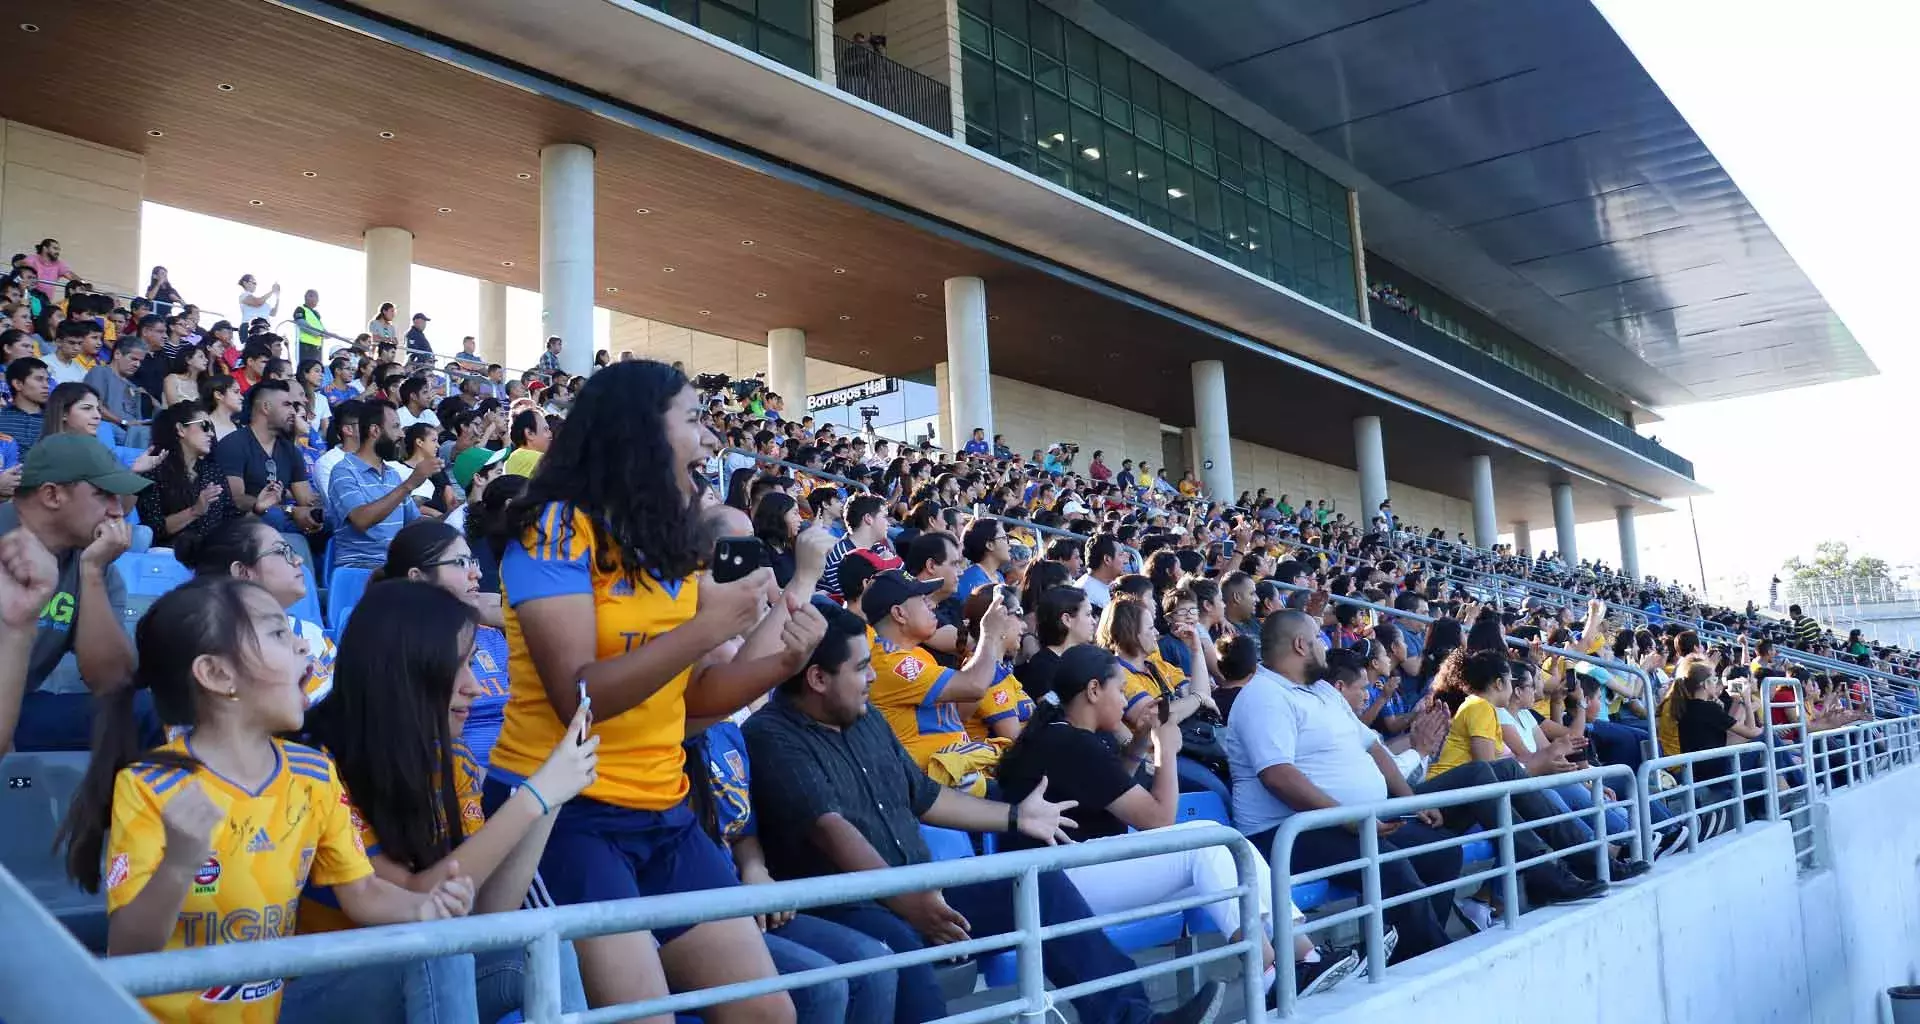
{"x":835,"y":792}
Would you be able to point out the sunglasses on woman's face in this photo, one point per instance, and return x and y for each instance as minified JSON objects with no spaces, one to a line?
{"x":206,"y":425}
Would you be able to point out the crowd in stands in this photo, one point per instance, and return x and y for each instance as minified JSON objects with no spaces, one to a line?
{"x":622,"y":636}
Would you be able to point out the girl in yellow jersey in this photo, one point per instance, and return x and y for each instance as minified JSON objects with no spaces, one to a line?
{"x":209,"y":839}
{"x":604,"y":601}
{"x":392,"y":726}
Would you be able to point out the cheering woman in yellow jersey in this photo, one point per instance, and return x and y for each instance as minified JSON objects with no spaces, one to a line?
{"x":604,"y":602}
{"x":209,"y":839}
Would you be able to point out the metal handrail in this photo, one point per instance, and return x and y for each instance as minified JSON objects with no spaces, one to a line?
{"x":541,"y":930}
{"x":860,"y":70}
{"x":1367,"y":817}
{"x":41,"y":952}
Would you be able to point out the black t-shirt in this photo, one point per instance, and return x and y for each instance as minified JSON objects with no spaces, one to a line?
{"x":1703,"y":726}
{"x":1078,"y":765}
{"x":1036,"y":674}
{"x":239,"y":454}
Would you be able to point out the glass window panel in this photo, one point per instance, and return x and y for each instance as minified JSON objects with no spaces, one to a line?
{"x":1051,"y":169}
{"x":1044,"y":32}
{"x":1083,"y":51}
{"x":976,"y":88}
{"x":1226,"y":133}
{"x":1083,"y":91}
{"x":979,"y":8}
{"x":1016,"y":152}
{"x":1144,"y":88}
{"x":1302,"y":251}
{"x":1233,"y":217}
{"x":1011,"y":16}
{"x":727,"y":23}
{"x":1155,"y":218}
{"x":1250,"y":149}
{"x":1013,"y":102}
{"x":1257,"y":190}
{"x":1173,"y":106}
{"x":686,"y":10}
{"x":1184,"y":230}
{"x":1298,"y":209}
{"x":791,"y":50}
{"x":1322,"y":222}
{"x":1297,"y":173}
{"x":1174,"y":141}
{"x":1201,"y":118}
{"x":1150,"y":169}
{"x":1146,"y":124}
{"x":1049,"y":74}
{"x":1116,"y":108}
{"x":1089,"y":184}
{"x":1050,"y":125}
{"x":980,"y":137}
{"x":1083,"y":142}
{"x":1206,"y":203}
{"x":1231,"y":174}
{"x":974,"y":34}
{"x":1113,"y":69}
{"x":1203,"y":160}
{"x":1123,"y":202}
{"x":794,"y":17}
{"x":1179,"y":188}
{"x":1011,"y":53}
{"x":1117,"y":153}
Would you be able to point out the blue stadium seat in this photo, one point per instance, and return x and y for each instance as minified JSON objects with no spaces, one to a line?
{"x":349,"y":582}
{"x":308,"y":607}
{"x":147,"y":575}
{"x":34,"y":797}
{"x":1203,"y":807}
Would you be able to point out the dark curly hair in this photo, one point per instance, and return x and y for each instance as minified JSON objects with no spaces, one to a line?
{"x":612,"y":461}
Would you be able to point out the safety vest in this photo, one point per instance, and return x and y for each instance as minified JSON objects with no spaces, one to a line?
{"x":308,"y":329}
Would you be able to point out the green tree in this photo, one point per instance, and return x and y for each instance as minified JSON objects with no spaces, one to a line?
{"x":1834,"y":572}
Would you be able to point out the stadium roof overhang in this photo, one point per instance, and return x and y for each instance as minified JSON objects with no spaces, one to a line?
{"x":849,"y":249}
{"x":1518,"y":155}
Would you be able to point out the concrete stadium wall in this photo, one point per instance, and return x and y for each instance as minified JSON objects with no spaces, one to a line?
{"x":1869,"y":911}
{"x":701,"y":352}
{"x":85,"y":195}
{"x":1712,"y":936}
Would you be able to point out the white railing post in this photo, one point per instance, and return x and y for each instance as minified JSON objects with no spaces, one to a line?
{"x":1026,"y":921}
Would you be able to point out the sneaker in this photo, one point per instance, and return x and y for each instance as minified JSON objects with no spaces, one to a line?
{"x":1672,"y":839}
{"x":1201,"y":1009}
{"x":1389,"y":942}
{"x":1622,"y":869}
{"x":1477,"y":916}
{"x":1332,"y":969}
{"x":1562,"y":886}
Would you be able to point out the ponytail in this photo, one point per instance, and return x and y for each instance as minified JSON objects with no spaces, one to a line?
{"x":1078,"y":666}
{"x":208,"y":615}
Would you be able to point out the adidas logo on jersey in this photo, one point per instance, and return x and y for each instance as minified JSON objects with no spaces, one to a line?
{"x":260,"y":843}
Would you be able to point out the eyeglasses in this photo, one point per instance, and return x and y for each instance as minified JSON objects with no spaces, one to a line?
{"x":284,"y":550}
{"x":206,"y":425}
{"x":464,"y":563}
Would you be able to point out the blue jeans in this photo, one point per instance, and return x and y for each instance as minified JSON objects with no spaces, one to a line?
{"x":417,"y":992}
{"x":809,"y":943}
{"x":63,"y":721}
{"x":1579,"y":797}
{"x":988,"y":907}
{"x":1618,"y":743}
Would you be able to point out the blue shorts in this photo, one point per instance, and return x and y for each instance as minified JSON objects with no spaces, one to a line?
{"x":600,"y":852}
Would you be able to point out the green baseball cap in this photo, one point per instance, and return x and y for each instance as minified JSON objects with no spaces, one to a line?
{"x":469,"y":463}
{"x":71,"y":458}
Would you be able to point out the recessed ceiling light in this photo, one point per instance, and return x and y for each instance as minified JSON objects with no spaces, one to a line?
{"x":613,"y":288}
{"x":155,"y":132}
{"x":524,"y":176}
{"x":1113,"y":355}
{"x":1091,"y":153}
{"x":28,"y":26}
{"x":919,"y":337}
{"x":866,"y":351}
{"x":386,"y":135}
{"x":666,"y":270}
{"x":642,"y":210}
{"x":839,"y":270}
{"x":225,"y":87}
{"x":309,"y":174}
{"x":1177,"y":193}
{"x":1053,"y":337}
{"x":446,"y":209}
{"x":255,"y":202}
{"x":759,"y":295}
{"x":844,"y":316}
{"x":995,"y":316}
{"x":706,"y":312}
{"x":506,"y":263}
{"x":919,"y":295}
{"x":746,"y":241}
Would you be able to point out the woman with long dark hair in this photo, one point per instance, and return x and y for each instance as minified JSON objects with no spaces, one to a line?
{"x":176,"y":828}
{"x":1004,"y":709}
{"x":428,"y":551}
{"x":221,"y":396}
{"x":740,"y":488}
{"x":1062,"y":618}
{"x":392,"y":724}
{"x":162,"y":292}
{"x":186,"y":368}
{"x":489,"y":526}
{"x":776,"y":522}
{"x":189,"y":492}
{"x":607,"y":605}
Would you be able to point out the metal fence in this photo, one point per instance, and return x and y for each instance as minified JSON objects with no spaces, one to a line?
{"x":860,"y":70}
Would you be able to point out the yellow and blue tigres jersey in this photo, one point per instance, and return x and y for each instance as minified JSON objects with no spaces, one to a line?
{"x":1141,"y":685}
{"x":489,"y":665}
{"x":907,"y":688}
{"x":1005,"y":699}
{"x":641,"y":761}
{"x":295,"y":828}
{"x":320,"y":908}
{"x":730,"y":780}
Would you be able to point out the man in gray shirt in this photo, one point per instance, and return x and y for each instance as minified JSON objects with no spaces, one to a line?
{"x":120,"y":402}
{"x":69,"y":499}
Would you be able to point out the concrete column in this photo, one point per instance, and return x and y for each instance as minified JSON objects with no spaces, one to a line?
{"x":566,"y":252}
{"x":787,"y":367}
{"x":968,"y":372}
{"x":1370,"y":461}
{"x":1485,"y":522}
{"x":389,"y":259}
{"x":1359,"y":257}
{"x":491,"y":342}
{"x":1214,"y":435}
{"x":1623,"y":518}
{"x":1523,"y":538}
{"x":1563,"y":524}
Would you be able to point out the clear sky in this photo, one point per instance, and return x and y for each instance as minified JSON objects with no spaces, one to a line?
{"x":1805,"y":104}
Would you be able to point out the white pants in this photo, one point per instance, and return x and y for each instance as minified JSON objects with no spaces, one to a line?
{"x":1127,"y":884}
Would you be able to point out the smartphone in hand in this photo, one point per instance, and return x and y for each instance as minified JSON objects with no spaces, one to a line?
{"x":737,"y":558}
